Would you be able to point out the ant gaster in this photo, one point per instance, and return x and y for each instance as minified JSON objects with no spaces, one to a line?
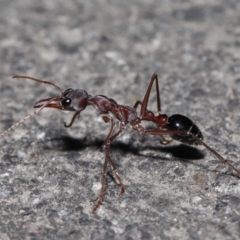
{"x":177,"y":126}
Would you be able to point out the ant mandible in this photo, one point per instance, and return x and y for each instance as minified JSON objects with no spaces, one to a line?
{"x":177,"y":126}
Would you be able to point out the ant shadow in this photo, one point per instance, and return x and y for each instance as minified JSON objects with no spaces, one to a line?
{"x":180,"y":152}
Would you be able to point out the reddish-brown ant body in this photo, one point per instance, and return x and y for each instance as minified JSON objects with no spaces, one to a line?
{"x":177,"y":126}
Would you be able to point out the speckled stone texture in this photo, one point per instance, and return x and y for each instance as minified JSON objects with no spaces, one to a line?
{"x":50,"y":175}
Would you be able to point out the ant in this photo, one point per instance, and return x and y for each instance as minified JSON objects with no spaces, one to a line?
{"x":177,"y":126}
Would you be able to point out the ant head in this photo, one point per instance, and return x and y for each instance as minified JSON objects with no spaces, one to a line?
{"x":74,"y":100}
{"x":71,"y":100}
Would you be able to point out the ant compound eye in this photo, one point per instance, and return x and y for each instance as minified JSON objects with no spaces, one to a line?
{"x":66,"y":102}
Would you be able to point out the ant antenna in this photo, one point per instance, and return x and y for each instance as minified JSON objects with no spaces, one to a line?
{"x":27,"y":117}
{"x":41,"y":81}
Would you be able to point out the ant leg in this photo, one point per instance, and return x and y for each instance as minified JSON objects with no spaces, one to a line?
{"x":144,"y":103}
{"x":73,"y":119}
{"x":106,"y":147}
{"x":165,"y":141}
{"x":161,"y":132}
{"x":138,"y":102}
{"x":103,"y":182}
{"x":172,"y":132}
{"x":122,"y":126}
{"x":223,"y":160}
{"x":114,"y":169}
{"x":147,"y":94}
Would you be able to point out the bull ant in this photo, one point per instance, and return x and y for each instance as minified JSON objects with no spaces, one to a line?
{"x":177,"y":126}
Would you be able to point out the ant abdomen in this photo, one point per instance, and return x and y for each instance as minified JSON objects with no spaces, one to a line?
{"x":182,"y":123}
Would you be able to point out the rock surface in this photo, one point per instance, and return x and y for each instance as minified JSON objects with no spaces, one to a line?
{"x":50,"y":175}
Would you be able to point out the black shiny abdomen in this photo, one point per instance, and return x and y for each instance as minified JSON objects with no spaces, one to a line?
{"x":182,"y":123}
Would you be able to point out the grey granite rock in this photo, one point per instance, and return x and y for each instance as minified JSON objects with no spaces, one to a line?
{"x":50,"y":175}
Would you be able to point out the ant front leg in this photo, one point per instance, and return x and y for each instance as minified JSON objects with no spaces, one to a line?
{"x":77,"y":114}
{"x":106,"y":145}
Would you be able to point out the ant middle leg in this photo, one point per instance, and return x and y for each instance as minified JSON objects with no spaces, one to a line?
{"x":104,"y":173}
{"x":144,"y":103}
{"x":106,"y":145}
{"x":138,"y":102}
{"x":103,"y":183}
{"x":114,"y":168}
